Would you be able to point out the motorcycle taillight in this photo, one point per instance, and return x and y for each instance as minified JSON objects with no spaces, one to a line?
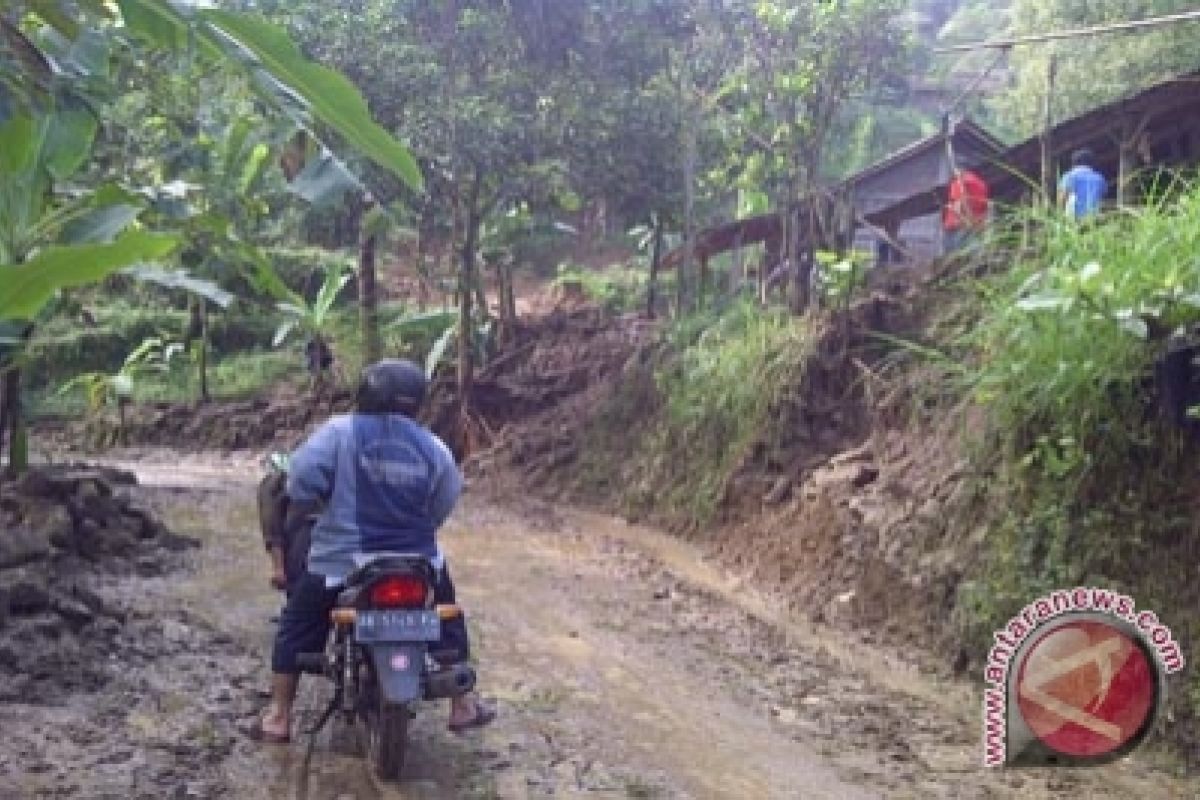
{"x":398,"y":591}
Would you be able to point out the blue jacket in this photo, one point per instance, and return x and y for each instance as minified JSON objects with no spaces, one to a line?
{"x":1088,"y":187}
{"x":386,"y":482}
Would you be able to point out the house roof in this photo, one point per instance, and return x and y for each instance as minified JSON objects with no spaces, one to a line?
{"x":965,"y":131}
{"x":752,"y":230}
{"x":1009,"y":174}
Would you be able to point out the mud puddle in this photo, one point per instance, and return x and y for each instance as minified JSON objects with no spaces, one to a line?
{"x":623,"y":666}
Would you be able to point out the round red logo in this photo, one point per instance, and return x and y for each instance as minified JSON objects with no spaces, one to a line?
{"x":1087,"y":689}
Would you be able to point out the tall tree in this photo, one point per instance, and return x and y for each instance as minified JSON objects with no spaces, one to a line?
{"x":802,"y":61}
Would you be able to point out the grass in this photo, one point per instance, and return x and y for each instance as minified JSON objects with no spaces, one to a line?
{"x":1088,"y":485}
{"x":695,"y":411}
{"x":1063,"y":349}
{"x":617,"y":288}
{"x":237,"y":376}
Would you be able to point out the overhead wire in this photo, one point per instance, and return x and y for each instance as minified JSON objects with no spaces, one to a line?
{"x":1074,"y":33}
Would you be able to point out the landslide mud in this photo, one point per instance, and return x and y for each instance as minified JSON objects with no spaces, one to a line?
{"x":622,"y":663}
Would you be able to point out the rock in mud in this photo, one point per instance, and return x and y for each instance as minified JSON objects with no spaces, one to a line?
{"x":780,"y":492}
{"x":25,"y":593}
{"x":23,"y":546}
{"x":75,"y":613}
{"x":67,"y":529}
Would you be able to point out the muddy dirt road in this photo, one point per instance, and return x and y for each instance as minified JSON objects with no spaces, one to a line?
{"x":622,"y":664}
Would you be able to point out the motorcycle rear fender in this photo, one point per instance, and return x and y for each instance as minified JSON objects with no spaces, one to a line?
{"x":398,"y":668}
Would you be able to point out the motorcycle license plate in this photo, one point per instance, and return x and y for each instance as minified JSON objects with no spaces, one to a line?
{"x":397,"y":626}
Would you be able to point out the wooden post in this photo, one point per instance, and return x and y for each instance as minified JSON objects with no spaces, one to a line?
{"x":1131,"y":132}
{"x":1049,"y":179}
{"x":737,"y":273}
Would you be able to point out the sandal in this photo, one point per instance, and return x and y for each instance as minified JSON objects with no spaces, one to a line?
{"x":483,"y":715}
{"x":256,"y":733}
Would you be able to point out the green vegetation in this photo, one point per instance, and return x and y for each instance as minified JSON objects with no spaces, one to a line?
{"x":71,"y":210}
{"x":1088,"y":478}
{"x":1065,"y":344}
{"x":692,"y":412}
{"x":617,"y":289}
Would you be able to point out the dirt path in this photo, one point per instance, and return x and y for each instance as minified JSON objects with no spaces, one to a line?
{"x":622,"y":665}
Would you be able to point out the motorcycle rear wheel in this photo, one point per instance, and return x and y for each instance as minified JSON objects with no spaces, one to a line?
{"x":387,"y":739}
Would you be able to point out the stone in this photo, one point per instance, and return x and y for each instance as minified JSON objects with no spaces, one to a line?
{"x":74,"y":612}
{"x":870,"y":511}
{"x":865,"y":476}
{"x":23,"y":546}
{"x":864,"y":453}
{"x":780,"y":492}
{"x":26,"y":596}
{"x":35,"y":483}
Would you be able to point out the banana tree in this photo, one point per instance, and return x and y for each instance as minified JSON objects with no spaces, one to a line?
{"x":48,"y":123}
{"x":49,"y":240}
{"x":102,"y":389}
{"x":313,"y":319}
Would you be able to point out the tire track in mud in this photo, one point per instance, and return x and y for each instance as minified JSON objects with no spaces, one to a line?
{"x":824,"y":716}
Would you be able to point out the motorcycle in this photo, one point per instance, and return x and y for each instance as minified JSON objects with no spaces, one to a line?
{"x":380,"y":659}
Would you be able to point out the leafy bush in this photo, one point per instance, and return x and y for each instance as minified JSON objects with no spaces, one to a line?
{"x":1064,"y":348}
{"x":1086,"y":484}
{"x":66,"y":347}
{"x":617,"y":288}
{"x":303,"y":269}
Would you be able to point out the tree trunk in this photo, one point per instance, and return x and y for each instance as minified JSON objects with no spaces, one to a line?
{"x":655,"y":259}
{"x":690,"y":158}
{"x":481,"y":301}
{"x":801,"y":236}
{"x":422,"y":271}
{"x":3,"y":408}
{"x":737,"y":274}
{"x":368,"y":300}
{"x":18,"y":444}
{"x":201,"y":309}
{"x":508,"y":300}
{"x":466,"y":283}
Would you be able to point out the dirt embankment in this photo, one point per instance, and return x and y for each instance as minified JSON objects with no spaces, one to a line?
{"x":860,"y":504}
{"x":835,"y":505}
{"x":528,"y":402}
{"x":65,"y":530}
{"x":83,"y":650}
{"x":840,"y":507}
{"x":279,"y":418}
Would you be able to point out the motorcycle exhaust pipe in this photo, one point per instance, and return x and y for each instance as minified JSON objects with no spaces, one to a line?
{"x":453,"y":681}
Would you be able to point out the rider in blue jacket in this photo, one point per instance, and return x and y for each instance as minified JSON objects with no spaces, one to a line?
{"x":382,"y":483}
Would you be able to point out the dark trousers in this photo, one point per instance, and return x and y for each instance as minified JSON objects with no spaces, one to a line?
{"x":304,"y":624}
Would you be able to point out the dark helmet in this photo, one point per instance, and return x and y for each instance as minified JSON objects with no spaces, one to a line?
{"x":392,"y":386}
{"x":1083,"y":157}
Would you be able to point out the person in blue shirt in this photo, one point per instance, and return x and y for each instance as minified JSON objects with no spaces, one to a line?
{"x":1082,"y":189}
{"x":381,"y":483}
